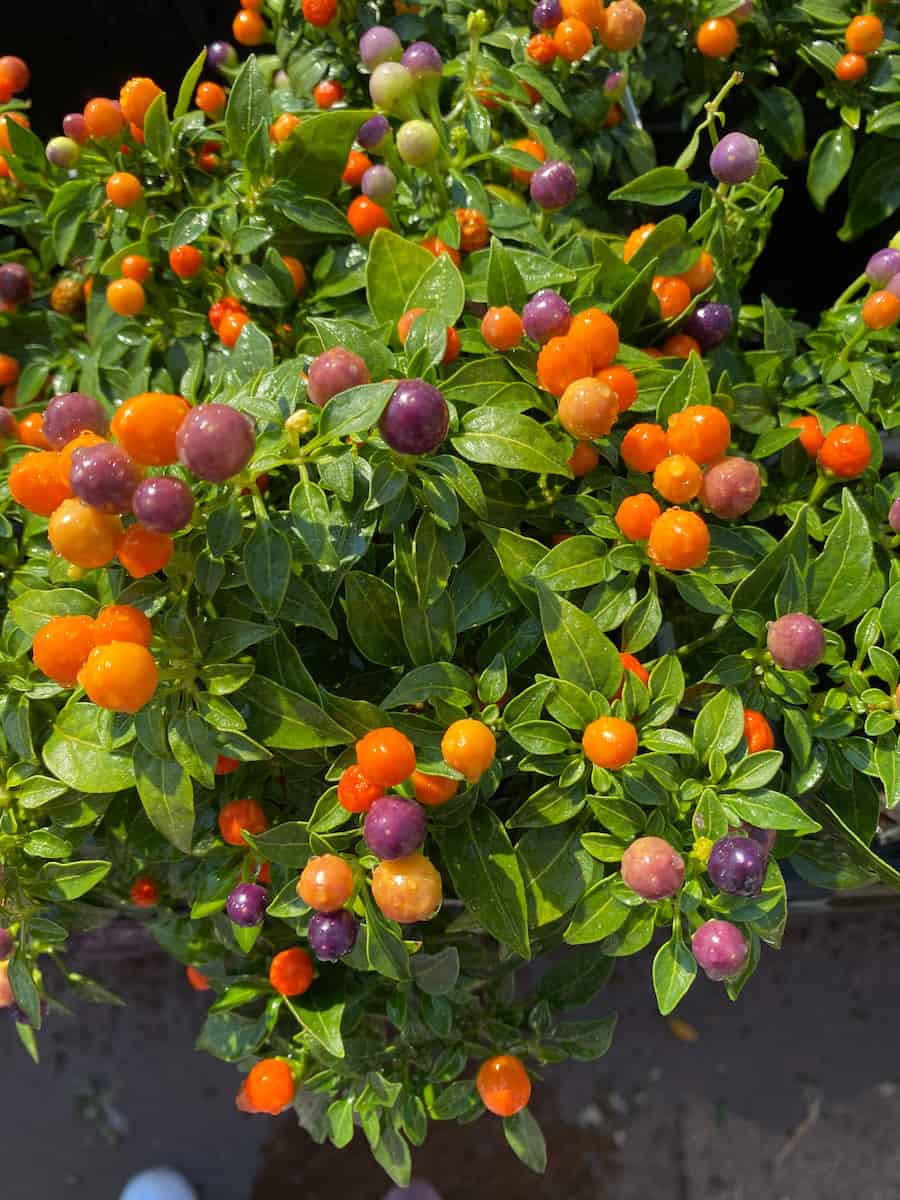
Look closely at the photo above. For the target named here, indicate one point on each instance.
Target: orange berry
(230, 327)
(61, 647)
(249, 28)
(136, 97)
(282, 127)
(366, 216)
(845, 451)
(355, 792)
(185, 261)
(357, 165)
(717, 38)
(542, 49)
(297, 272)
(225, 765)
(758, 732)
(680, 345)
(850, 67)
(469, 746)
(123, 623)
(636, 667)
(144, 892)
(623, 383)
(291, 972)
(474, 232)
(123, 190)
(599, 333)
(126, 297)
(536, 150)
(573, 39)
(239, 815)
(64, 457)
(407, 889)
(406, 322)
(35, 483)
(678, 479)
(635, 516)
(20, 119)
(700, 431)
(864, 34)
(811, 435)
(673, 295)
(679, 540)
(135, 266)
(881, 310)
(588, 409)
(211, 99)
(15, 71)
(635, 240)
(197, 979)
(561, 361)
(502, 328)
(386, 756)
(121, 677)
(84, 536)
(452, 347)
(103, 118)
(624, 27)
(319, 13)
(591, 12)
(435, 246)
(701, 274)
(146, 425)
(644, 447)
(144, 553)
(503, 1085)
(583, 459)
(9, 370)
(326, 883)
(270, 1086)
(433, 790)
(328, 93)
(610, 742)
(31, 431)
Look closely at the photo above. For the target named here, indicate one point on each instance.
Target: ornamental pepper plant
(424, 554)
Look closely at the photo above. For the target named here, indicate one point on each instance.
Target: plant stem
(850, 291)
(857, 337)
(712, 108)
(820, 487)
(719, 623)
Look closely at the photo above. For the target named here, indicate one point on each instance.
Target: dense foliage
(417, 555)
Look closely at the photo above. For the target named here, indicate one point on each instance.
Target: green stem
(850, 291)
(857, 337)
(690, 647)
(712, 108)
(820, 488)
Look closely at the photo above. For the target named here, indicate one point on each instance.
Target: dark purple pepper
(546, 315)
(394, 827)
(163, 504)
(246, 906)
(553, 185)
(710, 324)
(547, 14)
(332, 935)
(416, 419)
(15, 283)
(372, 134)
(737, 866)
(105, 477)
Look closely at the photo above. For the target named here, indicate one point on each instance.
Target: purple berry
(394, 827)
(215, 442)
(15, 283)
(735, 159)
(421, 59)
(220, 54)
(416, 418)
(70, 414)
(614, 84)
(894, 516)
(765, 837)
(6, 943)
(389, 84)
(893, 285)
(720, 949)
(547, 14)
(63, 152)
(652, 868)
(710, 324)
(796, 641)
(546, 315)
(882, 266)
(163, 504)
(74, 126)
(554, 185)
(334, 371)
(377, 45)
(372, 134)
(417, 143)
(378, 183)
(105, 477)
(7, 424)
(731, 487)
(737, 865)
(246, 906)
(332, 935)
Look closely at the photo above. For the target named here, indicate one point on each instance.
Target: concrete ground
(792, 1093)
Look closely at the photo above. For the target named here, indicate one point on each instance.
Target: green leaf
(756, 591)
(321, 1012)
(394, 268)
(436, 974)
(248, 104)
(580, 652)
(267, 563)
(392, 1154)
(719, 724)
(556, 872)
(524, 1136)
(440, 288)
(167, 796)
(690, 386)
(70, 880)
(26, 994)
(504, 283)
(782, 116)
(75, 753)
(189, 225)
(837, 574)
(576, 979)
(231, 1037)
(510, 440)
(229, 637)
(340, 1122)
(674, 970)
(373, 619)
(487, 878)
(286, 844)
(354, 410)
(598, 914)
(385, 950)
(252, 285)
(288, 721)
(315, 154)
(586, 1040)
(662, 186)
(756, 770)
(874, 187)
(158, 131)
(437, 681)
(770, 810)
(829, 163)
(189, 85)
(31, 610)
(577, 562)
